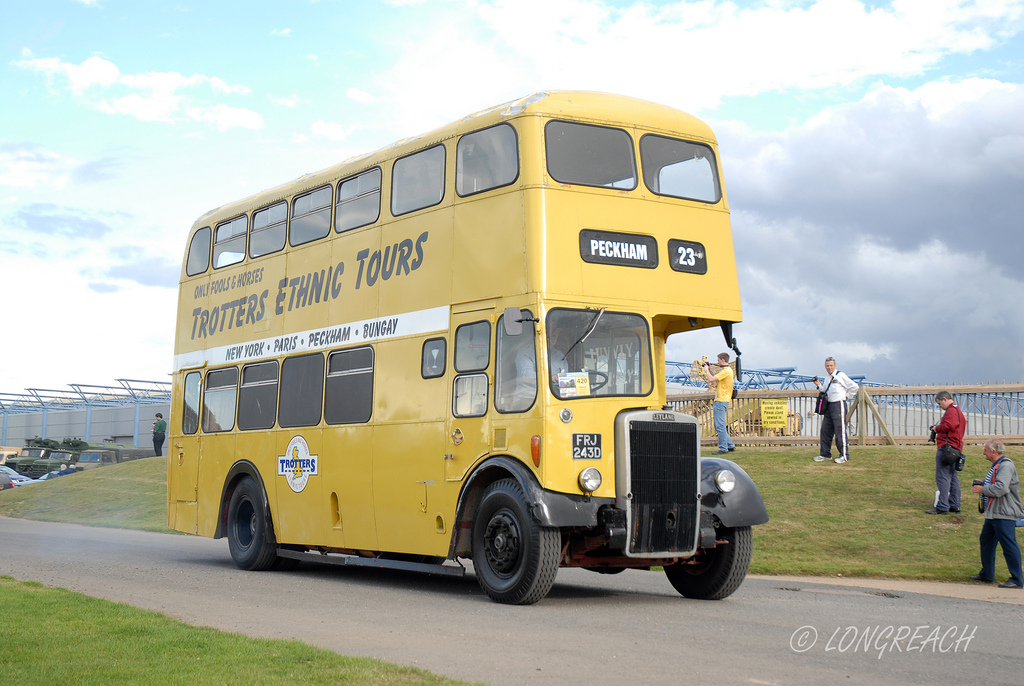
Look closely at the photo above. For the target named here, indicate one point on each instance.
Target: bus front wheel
(514, 557)
(250, 535)
(721, 571)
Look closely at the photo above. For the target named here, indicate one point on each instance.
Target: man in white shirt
(840, 389)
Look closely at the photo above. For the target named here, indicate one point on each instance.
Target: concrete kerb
(967, 591)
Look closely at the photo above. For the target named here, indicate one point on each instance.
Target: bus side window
(417, 180)
(472, 347)
(358, 201)
(515, 374)
(190, 411)
(311, 215)
(486, 159)
(349, 395)
(590, 155)
(470, 396)
(257, 398)
(268, 229)
(219, 400)
(302, 391)
(198, 252)
(229, 242)
(472, 354)
(434, 361)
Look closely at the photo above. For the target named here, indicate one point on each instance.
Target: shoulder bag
(821, 404)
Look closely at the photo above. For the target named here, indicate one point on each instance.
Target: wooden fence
(877, 416)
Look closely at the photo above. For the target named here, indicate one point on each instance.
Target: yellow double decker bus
(453, 348)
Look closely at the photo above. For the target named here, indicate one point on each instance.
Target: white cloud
(95, 71)
(330, 130)
(150, 96)
(29, 166)
(359, 96)
(225, 117)
(689, 55)
(286, 101)
(281, 32)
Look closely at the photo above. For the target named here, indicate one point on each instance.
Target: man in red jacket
(949, 431)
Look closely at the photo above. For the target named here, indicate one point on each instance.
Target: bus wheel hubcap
(502, 539)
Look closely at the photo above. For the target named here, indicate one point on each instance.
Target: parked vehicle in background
(44, 455)
(6, 482)
(51, 462)
(17, 479)
(36, 449)
(6, 452)
(54, 474)
(102, 457)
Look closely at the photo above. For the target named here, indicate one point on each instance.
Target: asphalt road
(591, 629)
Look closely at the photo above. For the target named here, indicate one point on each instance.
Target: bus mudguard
(742, 506)
(548, 508)
(239, 469)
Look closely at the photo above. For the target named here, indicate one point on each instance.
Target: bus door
(409, 489)
(468, 423)
(183, 459)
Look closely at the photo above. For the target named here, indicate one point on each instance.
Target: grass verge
(131, 495)
(54, 636)
(864, 518)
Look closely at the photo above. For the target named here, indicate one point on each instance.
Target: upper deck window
(229, 242)
(358, 201)
(590, 155)
(486, 159)
(681, 169)
(268, 229)
(198, 252)
(311, 215)
(417, 181)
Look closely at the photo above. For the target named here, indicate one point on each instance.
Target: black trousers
(833, 426)
(158, 444)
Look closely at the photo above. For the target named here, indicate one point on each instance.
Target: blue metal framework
(781, 378)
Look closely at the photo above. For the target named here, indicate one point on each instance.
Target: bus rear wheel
(720, 573)
(250, 534)
(515, 558)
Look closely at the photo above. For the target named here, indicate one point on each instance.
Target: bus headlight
(725, 480)
(590, 480)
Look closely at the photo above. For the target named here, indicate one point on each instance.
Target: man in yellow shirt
(723, 383)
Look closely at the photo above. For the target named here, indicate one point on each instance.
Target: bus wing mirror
(513, 321)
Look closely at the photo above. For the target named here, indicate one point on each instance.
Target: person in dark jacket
(159, 433)
(949, 431)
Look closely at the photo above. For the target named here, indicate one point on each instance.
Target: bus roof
(577, 105)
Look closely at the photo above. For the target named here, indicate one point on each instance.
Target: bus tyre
(722, 570)
(250, 535)
(514, 557)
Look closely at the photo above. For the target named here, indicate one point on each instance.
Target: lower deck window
(219, 400)
(349, 395)
(302, 391)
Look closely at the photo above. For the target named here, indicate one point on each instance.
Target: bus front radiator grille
(663, 480)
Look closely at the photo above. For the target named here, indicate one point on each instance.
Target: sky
(873, 154)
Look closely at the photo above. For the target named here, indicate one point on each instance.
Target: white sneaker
(840, 460)
(819, 458)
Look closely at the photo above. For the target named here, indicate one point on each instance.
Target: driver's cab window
(596, 352)
(516, 366)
